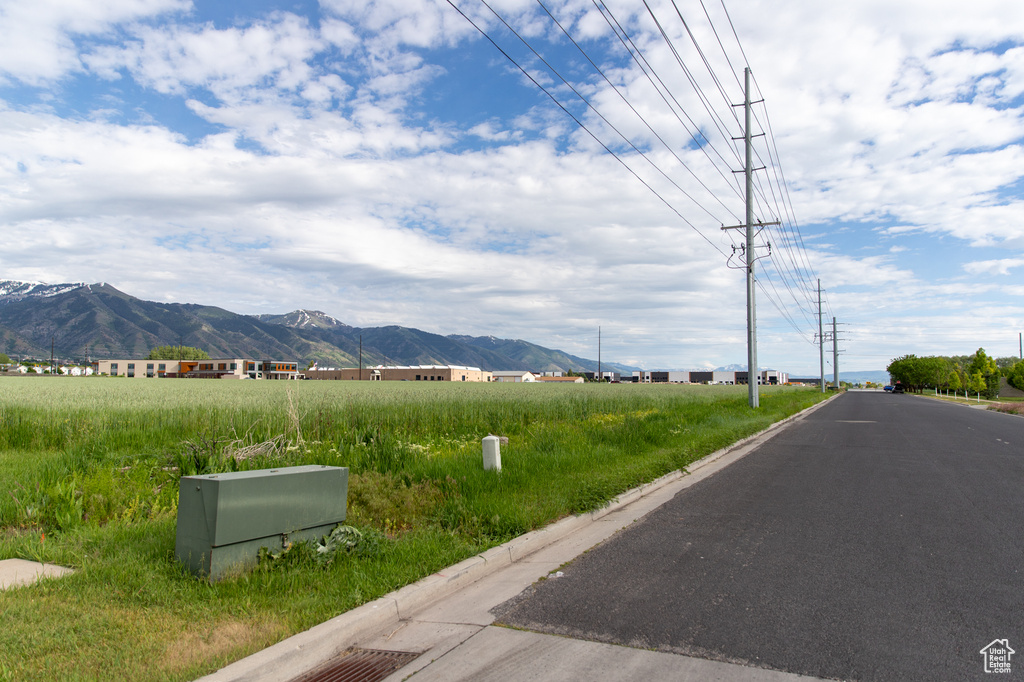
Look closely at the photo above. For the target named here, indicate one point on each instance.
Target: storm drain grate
(359, 665)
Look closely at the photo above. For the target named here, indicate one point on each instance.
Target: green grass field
(90, 480)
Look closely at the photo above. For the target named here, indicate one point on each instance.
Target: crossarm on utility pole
(743, 227)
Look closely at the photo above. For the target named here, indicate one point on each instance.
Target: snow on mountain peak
(14, 289)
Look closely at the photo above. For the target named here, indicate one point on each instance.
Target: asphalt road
(880, 538)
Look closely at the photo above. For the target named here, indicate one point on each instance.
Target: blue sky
(384, 163)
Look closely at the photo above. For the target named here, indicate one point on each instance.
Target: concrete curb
(314, 647)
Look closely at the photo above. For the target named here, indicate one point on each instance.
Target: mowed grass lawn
(90, 470)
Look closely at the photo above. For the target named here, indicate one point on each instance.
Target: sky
(533, 170)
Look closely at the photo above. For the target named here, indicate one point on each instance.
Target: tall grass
(90, 471)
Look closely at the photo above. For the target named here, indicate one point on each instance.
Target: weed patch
(392, 502)
(1009, 408)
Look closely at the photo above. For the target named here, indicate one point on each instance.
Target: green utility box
(224, 519)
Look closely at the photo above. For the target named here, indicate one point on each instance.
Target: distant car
(898, 388)
(887, 389)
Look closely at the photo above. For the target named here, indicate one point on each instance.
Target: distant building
(513, 376)
(768, 377)
(561, 380)
(214, 368)
(399, 373)
(76, 371)
(773, 377)
(612, 377)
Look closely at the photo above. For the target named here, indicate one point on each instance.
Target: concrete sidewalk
(446, 617)
(18, 572)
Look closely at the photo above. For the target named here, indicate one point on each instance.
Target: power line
(790, 262)
(776, 165)
(719, 123)
(632, 108)
(582, 125)
(596, 111)
(702, 142)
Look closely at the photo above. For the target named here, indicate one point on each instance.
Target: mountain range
(93, 321)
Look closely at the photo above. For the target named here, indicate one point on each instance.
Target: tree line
(177, 353)
(977, 373)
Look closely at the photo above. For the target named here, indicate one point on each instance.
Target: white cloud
(37, 39)
(388, 26)
(339, 33)
(303, 222)
(488, 131)
(331, 177)
(272, 52)
(994, 267)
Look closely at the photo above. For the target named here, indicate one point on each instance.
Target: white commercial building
(513, 376)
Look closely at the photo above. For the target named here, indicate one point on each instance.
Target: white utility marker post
(492, 453)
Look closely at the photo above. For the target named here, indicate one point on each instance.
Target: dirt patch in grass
(219, 642)
(1009, 408)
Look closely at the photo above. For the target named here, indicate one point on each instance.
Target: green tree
(902, 368)
(1016, 376)
(915, 373)
(981, 363)
(955, 384)
(177, 353)
(1006, 364)
(935, 371)
(977, 383)
(4, 360)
